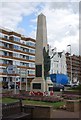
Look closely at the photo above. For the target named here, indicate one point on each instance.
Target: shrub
(76, 88)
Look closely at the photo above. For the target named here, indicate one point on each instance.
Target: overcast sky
(62, 20)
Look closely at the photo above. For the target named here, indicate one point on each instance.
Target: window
(23, 79)
(16, 47)
(4, 61)
(30, 44)
(27, 57)
(32, 57)
(24, 49)
(1, 35)
(16, 55)
(27, 64)
(16, 63)
(6, 45)
(7, 61)
(1, 61)
(3, 70)
(6, 37)
(27, 50)
(24, 64)
(1, 52)
(21, 49)
(1, 79)
(22, 41)
(23, 56)
(32, 72)
(5, 53)
(16, 39)
(31, 64)
(32, 51)
(1, 44)
(4, 79)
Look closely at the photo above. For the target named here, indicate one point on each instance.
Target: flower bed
(71, 97)
(35, 98)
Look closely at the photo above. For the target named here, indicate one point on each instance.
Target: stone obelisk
(38, 84)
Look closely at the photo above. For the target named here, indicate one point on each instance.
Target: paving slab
(65, 114)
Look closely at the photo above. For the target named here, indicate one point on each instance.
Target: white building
(58, 62)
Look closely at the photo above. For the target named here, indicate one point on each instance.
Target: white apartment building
(58, 62)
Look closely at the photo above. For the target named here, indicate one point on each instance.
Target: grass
(55, 105)
(0, 100)
(8, 100)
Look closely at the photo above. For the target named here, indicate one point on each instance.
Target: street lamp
(23, 75)
(57, 65)
(20, 79)
(70, 61)
(26, 80)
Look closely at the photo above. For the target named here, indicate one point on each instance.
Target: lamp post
(26, 80)
(20, 79)
(57, 65)
(70, 61)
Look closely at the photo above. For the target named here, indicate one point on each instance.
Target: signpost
(12, 69)
(23, 74)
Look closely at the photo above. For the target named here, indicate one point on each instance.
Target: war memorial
(24, 105)
(42, 58)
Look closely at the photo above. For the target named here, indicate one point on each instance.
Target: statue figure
(47, 62)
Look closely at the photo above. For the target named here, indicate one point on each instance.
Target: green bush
(76, 88)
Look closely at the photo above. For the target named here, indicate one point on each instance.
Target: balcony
(18, 43)
(20, 59)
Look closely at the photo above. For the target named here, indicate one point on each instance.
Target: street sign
(23, 72)
(11, 69)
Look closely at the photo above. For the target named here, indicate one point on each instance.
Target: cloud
(72, 6)
(39, 1)
(62, 25)
(62, 19)
(11, 13)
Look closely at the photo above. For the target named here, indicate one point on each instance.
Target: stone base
(38, 84)
(41, 85)
(49, 85)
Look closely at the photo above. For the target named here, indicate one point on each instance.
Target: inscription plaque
(36, 85)
(38, 70)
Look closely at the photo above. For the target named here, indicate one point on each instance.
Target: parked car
(71, 85)
(5, 86)
(12, 86)
(58, 87)
(67, 85)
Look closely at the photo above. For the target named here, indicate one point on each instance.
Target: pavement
(66, 114)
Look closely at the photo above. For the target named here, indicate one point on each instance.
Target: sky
(62, 20)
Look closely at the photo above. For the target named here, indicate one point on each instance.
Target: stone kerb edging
(73, 105)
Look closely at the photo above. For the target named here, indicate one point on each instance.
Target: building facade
(16, 50)
(73, 67)
(58, 62)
